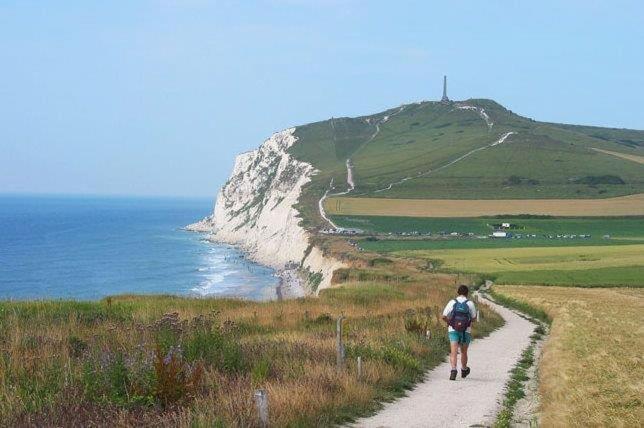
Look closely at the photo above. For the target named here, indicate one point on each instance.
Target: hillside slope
(474, 149)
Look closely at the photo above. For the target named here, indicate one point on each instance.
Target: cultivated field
(537, 258)
(170, 361)
(576, 265)
(616, 227)
(591, 372)
(632, 205)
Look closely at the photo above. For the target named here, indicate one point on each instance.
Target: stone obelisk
(444, 99)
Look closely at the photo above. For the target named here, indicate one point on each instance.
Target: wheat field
(630, 205)
(592, 371)
(490, 260)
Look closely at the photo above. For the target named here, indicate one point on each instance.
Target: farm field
(600, 277)
(622, 227)
(535, 258)
(591, 369)
(618, 264)
(631, 205)
(397, 245)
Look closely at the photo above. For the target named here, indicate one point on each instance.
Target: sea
(86, 248)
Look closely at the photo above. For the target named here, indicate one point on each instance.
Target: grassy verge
(515, 389)
(163, 360)
(591, 368)
(521, 306)
(579, 266)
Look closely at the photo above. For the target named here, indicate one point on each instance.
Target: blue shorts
(464, 338)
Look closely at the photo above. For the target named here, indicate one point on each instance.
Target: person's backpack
(460, 318)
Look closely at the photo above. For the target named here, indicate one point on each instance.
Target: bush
(418, 323)
(175, 380)
(593, 180)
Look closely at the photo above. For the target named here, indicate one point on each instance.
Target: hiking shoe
(465, 372)
(452, 375)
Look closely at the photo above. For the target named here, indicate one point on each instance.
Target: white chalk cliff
(255, 210)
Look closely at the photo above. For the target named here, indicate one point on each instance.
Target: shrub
(418, 323)
(593, 180)
(175, 381)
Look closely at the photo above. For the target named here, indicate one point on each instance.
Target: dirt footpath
(439, 402)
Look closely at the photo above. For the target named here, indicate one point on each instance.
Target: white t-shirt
(450, 305)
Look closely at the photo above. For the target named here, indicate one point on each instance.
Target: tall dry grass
(591, 371)
(163, 360)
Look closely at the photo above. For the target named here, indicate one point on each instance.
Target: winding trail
(476, 400)
(350, 183)
(480, 111)
(458, 159)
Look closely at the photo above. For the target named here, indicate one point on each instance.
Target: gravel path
(439, 402)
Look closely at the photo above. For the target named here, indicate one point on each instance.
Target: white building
(499, 234)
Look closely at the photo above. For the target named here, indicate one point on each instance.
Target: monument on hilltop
(444, 99)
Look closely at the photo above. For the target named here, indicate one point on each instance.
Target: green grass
(392, 245)
(547, 157)
(615, 226)
(632, 276)
(624, 232)
(521, 306)
(629, 228)
(515, 388)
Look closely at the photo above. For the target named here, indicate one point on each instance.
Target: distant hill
(473, 149)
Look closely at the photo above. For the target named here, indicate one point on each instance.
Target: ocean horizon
(90, 247)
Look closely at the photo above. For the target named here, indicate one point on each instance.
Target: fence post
(338, 342)
(359, 368)
(261, 401)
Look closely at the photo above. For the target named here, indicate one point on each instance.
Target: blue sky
(157, 97)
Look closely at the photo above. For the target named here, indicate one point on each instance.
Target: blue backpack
(460, 318)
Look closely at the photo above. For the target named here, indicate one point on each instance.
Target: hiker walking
(459, 314)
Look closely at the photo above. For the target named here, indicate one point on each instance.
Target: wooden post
(338, 342)
(359, 368)
(261, 401)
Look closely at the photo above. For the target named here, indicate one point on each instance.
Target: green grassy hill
(421, 144)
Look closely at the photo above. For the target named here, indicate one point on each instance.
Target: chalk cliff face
(255, 211)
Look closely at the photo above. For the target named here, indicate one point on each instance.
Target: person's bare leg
(463, 357)
(453, 354)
